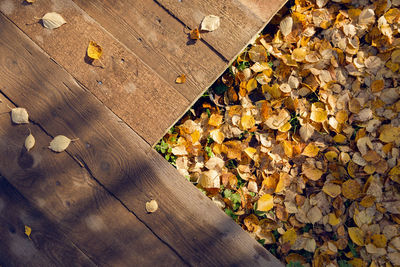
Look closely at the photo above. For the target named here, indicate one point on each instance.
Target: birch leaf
(210, 23)
(265, 203)
(94, 51)
(286, 26)
(19, 115)
(28, 231)
(195, 34)
(29, 142)
(59, 143)
(151, 206)
(53, 20)
(356, 235)
(181, 79)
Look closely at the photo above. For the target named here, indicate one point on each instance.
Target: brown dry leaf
(314, 215)
(368, 201)
(312, 173)
(180, 79)
(94, 51)
(351, 189)
(357, 235)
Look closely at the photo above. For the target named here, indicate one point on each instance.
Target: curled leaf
(19, 115)
(94, 51)
(28, 231)
(195, 34)
(53, 20)
(151, 206)
(181, 79)
(29, 142)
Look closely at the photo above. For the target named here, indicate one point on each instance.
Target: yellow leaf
(310, 150)
(196, 136)
(357, 262)
(288, 148)
(251, 85)
(265, 203)
(180, 79)
(284, 181)
(331, 156)
(340, 139)
(299, 54)
(379, 240)
(273, 90)
(356, 235)
(289, 236)
(195, 34)
(318, 112)
(394, 174)
(392, 14)
(28, 231)
(367, 201)
(342, 116)
(94, 51)
(331, 189)
(389, 133)
(151, 206)
(217, 136)
(215, 120)
(247, 122)
(286, 127)
(332, 219)
(351, 189)
(392, 66)
(250, 151)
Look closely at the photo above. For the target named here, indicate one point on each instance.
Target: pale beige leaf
(19, 115)
(29, 142)
(59, 143)
(210, 23)
(53, 20)
(151, 206)
(286, 25)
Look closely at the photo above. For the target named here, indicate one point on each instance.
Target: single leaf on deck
(94, 51)
(53, 20)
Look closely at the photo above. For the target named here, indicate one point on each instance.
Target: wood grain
(131, 89)
(238, 25)
(63, 191)
(118, 159)
(264, 9)
(46, 246)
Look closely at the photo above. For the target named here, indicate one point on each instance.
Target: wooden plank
(159, 40)
(63, 191)
(120, 160)
(238, 25)
(132, 90)
(264, 9)
(46, 246)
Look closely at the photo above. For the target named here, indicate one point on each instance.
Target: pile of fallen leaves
(300, 143)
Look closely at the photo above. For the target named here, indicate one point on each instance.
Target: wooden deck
(85, 206)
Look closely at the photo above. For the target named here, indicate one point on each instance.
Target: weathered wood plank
(46, 246)
(131, 89)
(119, 159)
(64, 192)
(159, 40)
(264, 9)
(238, 25)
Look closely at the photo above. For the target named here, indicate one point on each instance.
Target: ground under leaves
(299, 142)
